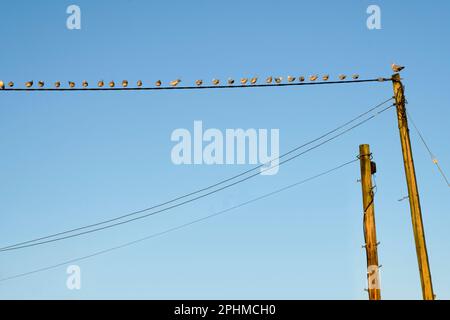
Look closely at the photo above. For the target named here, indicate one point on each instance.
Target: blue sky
(69, 159)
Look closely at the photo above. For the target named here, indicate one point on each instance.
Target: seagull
(313, 78)
(71, 84)
(355, 76)
(198, 82)
(253, 80)
(278, 80)
(174, 83)
(342, 77)
(57, 84)
(2, 85)
(396, 68)
(125, 83)
(101, 83)
(10, 84)
(158, 83)
(326, 77)
(111, 84)
(41, 84)
(29, 84)
(269, 79)
(244, 80)
(301, 79)
(291, 79)
(139, 83)
(215, 81)
(85, 84)
(230, 81)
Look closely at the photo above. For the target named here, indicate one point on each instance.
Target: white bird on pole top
(397, 68)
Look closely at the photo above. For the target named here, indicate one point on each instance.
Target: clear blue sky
(67, 159)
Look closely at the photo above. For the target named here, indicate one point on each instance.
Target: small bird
(71, 84)
(174, 83)
(253, 80)
(125, 83)
(111, 84)
(230, 81)
(326, 77)
(85, 84)
(291, 79)
(244, 80)
(198, 82)
(139, 83)
(313, 78)
(10, 84)
(57, 84)
(41, 84)
(158, 83)
(29, 84)
(396, 68)
(101, 83)
(342, 77)
(278, 80)
(215, 81)
(355, 76)
(2, 85)
(301, 78)
(269, 79)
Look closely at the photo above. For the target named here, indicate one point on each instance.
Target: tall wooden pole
(370, 234)
(413, 192)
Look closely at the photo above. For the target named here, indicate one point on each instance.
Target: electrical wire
(433, 158)
(196, 87)
(10, 248)
(154, 235)
(199, 190)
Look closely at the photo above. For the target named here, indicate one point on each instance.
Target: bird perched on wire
(101, 83)
(2, 84)
(57, 84)
(291, 79)
(124, 83)
(301, 78)
(111, 84)
(158, 83)
(326, 77)
(139, 83)
(71, 84)
(269, 79)
(313, 78)
(41, 84)
(396, 68)
(85, 84)
(254, 80)
(10, 84)
(355, 77)
(174, 83)
(244, 80)
(278, 80)
(342, 77)
(216, 82)
(199, 82)
(29, 84)
(230, 81)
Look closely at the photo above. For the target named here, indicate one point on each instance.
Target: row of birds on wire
(176, 82)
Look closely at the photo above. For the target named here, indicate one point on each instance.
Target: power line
(154, 235)
(195, 87)
(206, 188)
(433, 158)
(32, 243)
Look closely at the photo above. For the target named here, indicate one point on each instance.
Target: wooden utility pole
(370, 234)
(413, 192)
